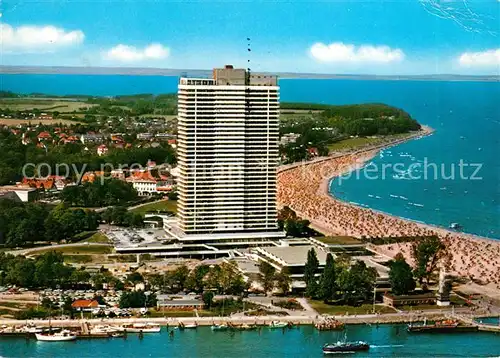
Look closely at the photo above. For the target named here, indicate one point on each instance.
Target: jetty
(480, 326)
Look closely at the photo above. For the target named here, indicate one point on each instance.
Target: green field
(164, 205)
(43, 104)
(76, 250)
(98, 237)
(352, 143)
(323, 308)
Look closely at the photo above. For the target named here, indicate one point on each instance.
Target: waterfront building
(228, 132)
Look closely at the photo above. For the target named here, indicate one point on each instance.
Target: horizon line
(151, 71)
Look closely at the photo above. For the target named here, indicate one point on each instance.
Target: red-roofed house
(143, 182)
(85, 305)
(44, 136)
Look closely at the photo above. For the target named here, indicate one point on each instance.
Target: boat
(142, 328)
(445, 326)
(345, 347)
(278, 324)
(219, 327)
(455, 226)
(106, 329)
(62, 336)
(183, 325)
(246, 327)
(329, 325)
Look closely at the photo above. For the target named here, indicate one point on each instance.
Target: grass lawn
(72, 250)
(164, 205)
(339, 240)
(98, 237)
(324, 308)
(352, 143)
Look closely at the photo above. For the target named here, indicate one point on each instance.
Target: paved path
(311, 311)
(41, 248)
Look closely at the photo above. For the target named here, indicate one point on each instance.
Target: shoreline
(387, 318)
(304, 187)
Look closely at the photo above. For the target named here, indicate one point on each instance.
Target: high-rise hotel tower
(227, 156)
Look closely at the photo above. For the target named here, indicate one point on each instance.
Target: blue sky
(374, 37)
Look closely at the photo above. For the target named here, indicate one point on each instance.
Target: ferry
(345, 347)
(142, 328)
(445, 326)
(62, 336)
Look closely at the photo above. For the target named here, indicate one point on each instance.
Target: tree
(137, 299)
(267, 276)
(208, 298)
(310, 270)
(356, 283)
(328, 286)
(426, 253)
(135, 278)
(283, 281)
(401, 276)
(196, 280)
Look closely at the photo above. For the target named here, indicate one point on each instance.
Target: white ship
(142, 328)
(62, 336)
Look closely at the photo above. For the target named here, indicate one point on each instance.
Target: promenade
(309, 319)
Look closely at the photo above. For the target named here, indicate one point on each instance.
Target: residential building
(92, 138)
(228, 129)
(85, 305)
(145, 136)
(102, 150)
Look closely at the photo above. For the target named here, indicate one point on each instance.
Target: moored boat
(445, 326)
(345, 347)
(62, 336)
(142, 328)
(278, 324)
(220, 327)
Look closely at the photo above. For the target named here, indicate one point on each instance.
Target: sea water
(465, 116)
(305, 341)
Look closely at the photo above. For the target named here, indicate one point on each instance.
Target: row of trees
(26, 223)
(23, 224)
(339, 282)
(99, 194)
(46, 270)
(222, 279)
(333, 123)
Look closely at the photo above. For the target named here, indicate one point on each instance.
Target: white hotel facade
(228, 133)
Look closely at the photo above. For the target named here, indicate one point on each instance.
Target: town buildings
(228, 131)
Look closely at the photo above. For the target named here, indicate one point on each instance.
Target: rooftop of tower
(230, 76)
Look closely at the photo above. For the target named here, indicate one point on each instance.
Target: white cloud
(30, 39)
(124, 53)
(347, 53)
(488, 58)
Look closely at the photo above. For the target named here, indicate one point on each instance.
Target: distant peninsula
(136, 71)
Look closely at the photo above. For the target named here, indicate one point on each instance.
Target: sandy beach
(304, 188)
